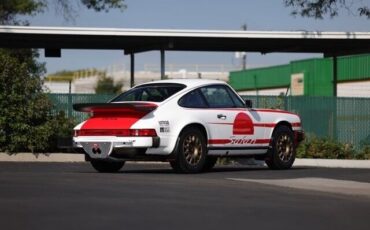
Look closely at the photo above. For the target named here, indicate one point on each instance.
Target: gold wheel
(284, 147)
(281, 155)
(192, 149)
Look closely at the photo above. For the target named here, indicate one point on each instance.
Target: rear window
(150, 92)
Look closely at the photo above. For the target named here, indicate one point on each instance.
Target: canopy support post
(162, 64)
(132, 69)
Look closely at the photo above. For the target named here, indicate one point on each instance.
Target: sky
(262, 15)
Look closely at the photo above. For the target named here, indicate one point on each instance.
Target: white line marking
(344, 187)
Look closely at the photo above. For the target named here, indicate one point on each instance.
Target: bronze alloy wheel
(192, 149)
(284, 147)
(281, 155)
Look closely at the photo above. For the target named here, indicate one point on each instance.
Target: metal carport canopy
(139, 40)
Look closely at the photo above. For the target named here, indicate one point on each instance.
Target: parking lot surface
(152, 196)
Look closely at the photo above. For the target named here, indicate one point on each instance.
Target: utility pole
(244, 54)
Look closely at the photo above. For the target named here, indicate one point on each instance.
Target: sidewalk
(68, 157)
(53, 157)
(332, 163)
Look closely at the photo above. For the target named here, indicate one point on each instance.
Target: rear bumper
(114, 147)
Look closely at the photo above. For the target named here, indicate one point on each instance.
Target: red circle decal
(243, 125)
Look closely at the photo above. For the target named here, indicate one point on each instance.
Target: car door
(232, 128)
(230, 125)
(220, 114)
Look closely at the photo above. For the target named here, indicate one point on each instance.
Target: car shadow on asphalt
(216, 170)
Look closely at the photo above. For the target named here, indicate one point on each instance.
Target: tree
(10, 10)
(27, 119)
(105, 85)
(24, 107)
(319, 8)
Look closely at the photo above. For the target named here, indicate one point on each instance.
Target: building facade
(310, 77)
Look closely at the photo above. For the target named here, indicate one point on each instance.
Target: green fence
(64, 102)
(344, 119)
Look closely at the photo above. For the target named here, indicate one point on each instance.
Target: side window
(194, 99)
(150, 92)
(217, 96)
(238, 103)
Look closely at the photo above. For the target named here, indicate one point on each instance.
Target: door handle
(221, 116)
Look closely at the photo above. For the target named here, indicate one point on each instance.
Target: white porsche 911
(188, 122)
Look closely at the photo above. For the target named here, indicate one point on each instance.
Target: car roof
(190, 83)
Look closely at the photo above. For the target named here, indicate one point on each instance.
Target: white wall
(354, 89)
(265, 92)
(57, 87)
(88, 84)
(347, 89)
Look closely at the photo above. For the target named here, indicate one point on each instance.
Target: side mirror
(248, 103)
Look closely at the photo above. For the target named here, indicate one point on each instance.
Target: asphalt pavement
(152, 196)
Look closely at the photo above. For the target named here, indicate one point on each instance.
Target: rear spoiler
(114, 107)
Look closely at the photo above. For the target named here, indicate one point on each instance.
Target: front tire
(106, 166)
(190, 151)
(283, 151)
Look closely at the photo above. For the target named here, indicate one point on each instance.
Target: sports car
(187, 122)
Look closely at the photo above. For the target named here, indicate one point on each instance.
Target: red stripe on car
(273, 111)
(227, 141)
(297, 124)
(218, 141)
(262, 141)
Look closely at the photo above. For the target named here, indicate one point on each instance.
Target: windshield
(150, 92)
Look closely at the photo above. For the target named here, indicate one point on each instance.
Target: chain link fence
(343, 119)
(346, 120)
(64, 102)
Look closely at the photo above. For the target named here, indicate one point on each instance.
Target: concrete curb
(332, 163)
(69, 157)
(54, 157)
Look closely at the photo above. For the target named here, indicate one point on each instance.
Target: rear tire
(175, 166)
(190, 152)
(106, 166)
(283, 151)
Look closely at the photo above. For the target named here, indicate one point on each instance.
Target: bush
(62, 127)
(26, 119)
(42, 138)
(364, 153)
(315, 147)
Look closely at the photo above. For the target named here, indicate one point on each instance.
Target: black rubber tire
(180, 164)
(175, 166)
(282, 141)
(210, 163)
(107, 166)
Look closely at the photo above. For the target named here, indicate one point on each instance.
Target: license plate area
(97, 150)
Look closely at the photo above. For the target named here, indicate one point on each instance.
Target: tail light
(116, 132)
